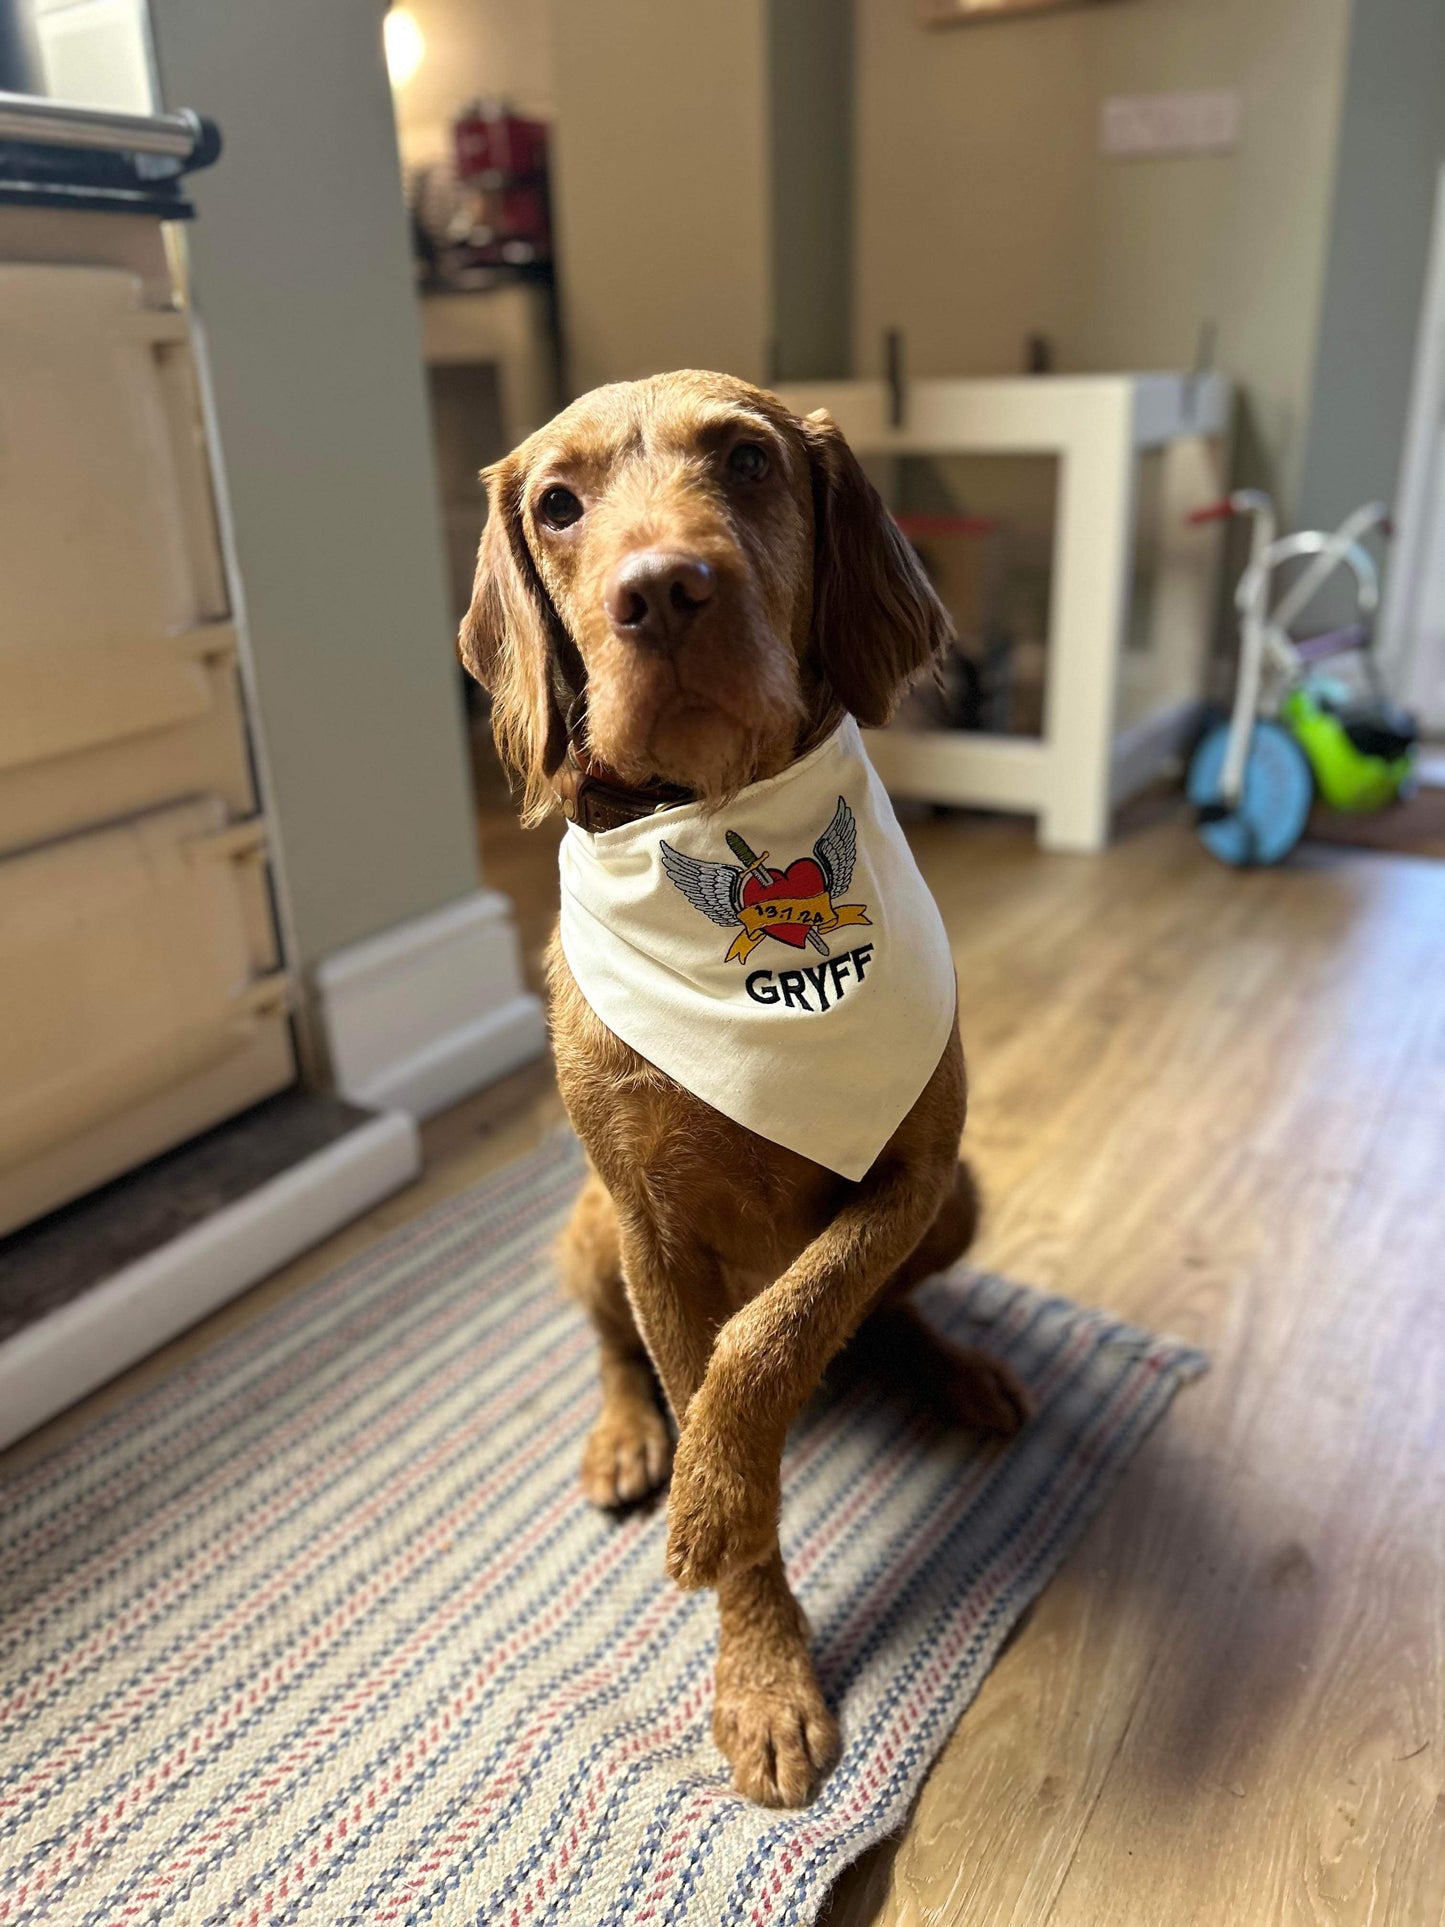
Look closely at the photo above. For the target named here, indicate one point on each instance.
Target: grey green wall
(1391, 145)
(303, 281)
(810, 119)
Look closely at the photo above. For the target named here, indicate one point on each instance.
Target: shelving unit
(1111, 721)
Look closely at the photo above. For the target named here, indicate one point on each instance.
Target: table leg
(1089, 605)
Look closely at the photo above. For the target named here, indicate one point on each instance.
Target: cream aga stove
(143, 989)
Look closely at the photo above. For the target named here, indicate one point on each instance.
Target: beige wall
(985, 211)
(661, 186)
(474, 48)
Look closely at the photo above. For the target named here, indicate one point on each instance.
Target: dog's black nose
(653, 595)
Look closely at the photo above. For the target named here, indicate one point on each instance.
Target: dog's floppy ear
(876, 620)
(508, 641)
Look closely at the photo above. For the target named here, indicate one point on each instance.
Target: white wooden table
(1098, 427)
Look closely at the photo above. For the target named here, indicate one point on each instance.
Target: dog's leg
(769, 1717)
(678, 1301)
(629, 1449)
(896, 1342)
(767, 1360)
(952, 1232)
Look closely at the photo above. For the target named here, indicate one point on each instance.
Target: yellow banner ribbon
(775, 913)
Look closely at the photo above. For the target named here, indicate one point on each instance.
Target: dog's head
(710, 575)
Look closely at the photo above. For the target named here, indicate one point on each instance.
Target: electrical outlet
(1136, 125)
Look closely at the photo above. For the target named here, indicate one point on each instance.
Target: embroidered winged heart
(796, 905)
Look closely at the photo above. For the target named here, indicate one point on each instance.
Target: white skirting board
(421, 1015)
(51, 1363)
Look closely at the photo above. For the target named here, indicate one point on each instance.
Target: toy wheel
(1274, 803)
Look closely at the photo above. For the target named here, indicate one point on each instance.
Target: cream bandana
(780, 958)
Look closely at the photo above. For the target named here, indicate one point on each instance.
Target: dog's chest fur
(664, 1153)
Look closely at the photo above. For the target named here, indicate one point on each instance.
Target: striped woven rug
(319, 1628)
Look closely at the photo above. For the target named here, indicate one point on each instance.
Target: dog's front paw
(626, 1455)
(781, 1740)
(720, 1515)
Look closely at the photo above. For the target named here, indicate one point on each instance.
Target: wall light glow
(405, 45)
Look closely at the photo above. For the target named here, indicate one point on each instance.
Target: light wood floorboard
(1214, 1103)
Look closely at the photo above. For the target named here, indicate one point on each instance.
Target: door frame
(1417, 665)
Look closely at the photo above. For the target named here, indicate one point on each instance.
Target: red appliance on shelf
(501, 160)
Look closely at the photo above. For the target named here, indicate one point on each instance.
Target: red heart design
(802, 878)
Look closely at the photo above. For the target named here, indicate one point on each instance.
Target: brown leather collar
(597, 799)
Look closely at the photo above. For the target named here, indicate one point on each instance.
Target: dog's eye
(559, 508)
(748, 462)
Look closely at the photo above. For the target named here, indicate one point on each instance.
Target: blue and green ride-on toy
(1295, 734)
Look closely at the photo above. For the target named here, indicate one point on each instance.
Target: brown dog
(681, 586)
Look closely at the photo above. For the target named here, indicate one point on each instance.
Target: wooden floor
(1214, 1103)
